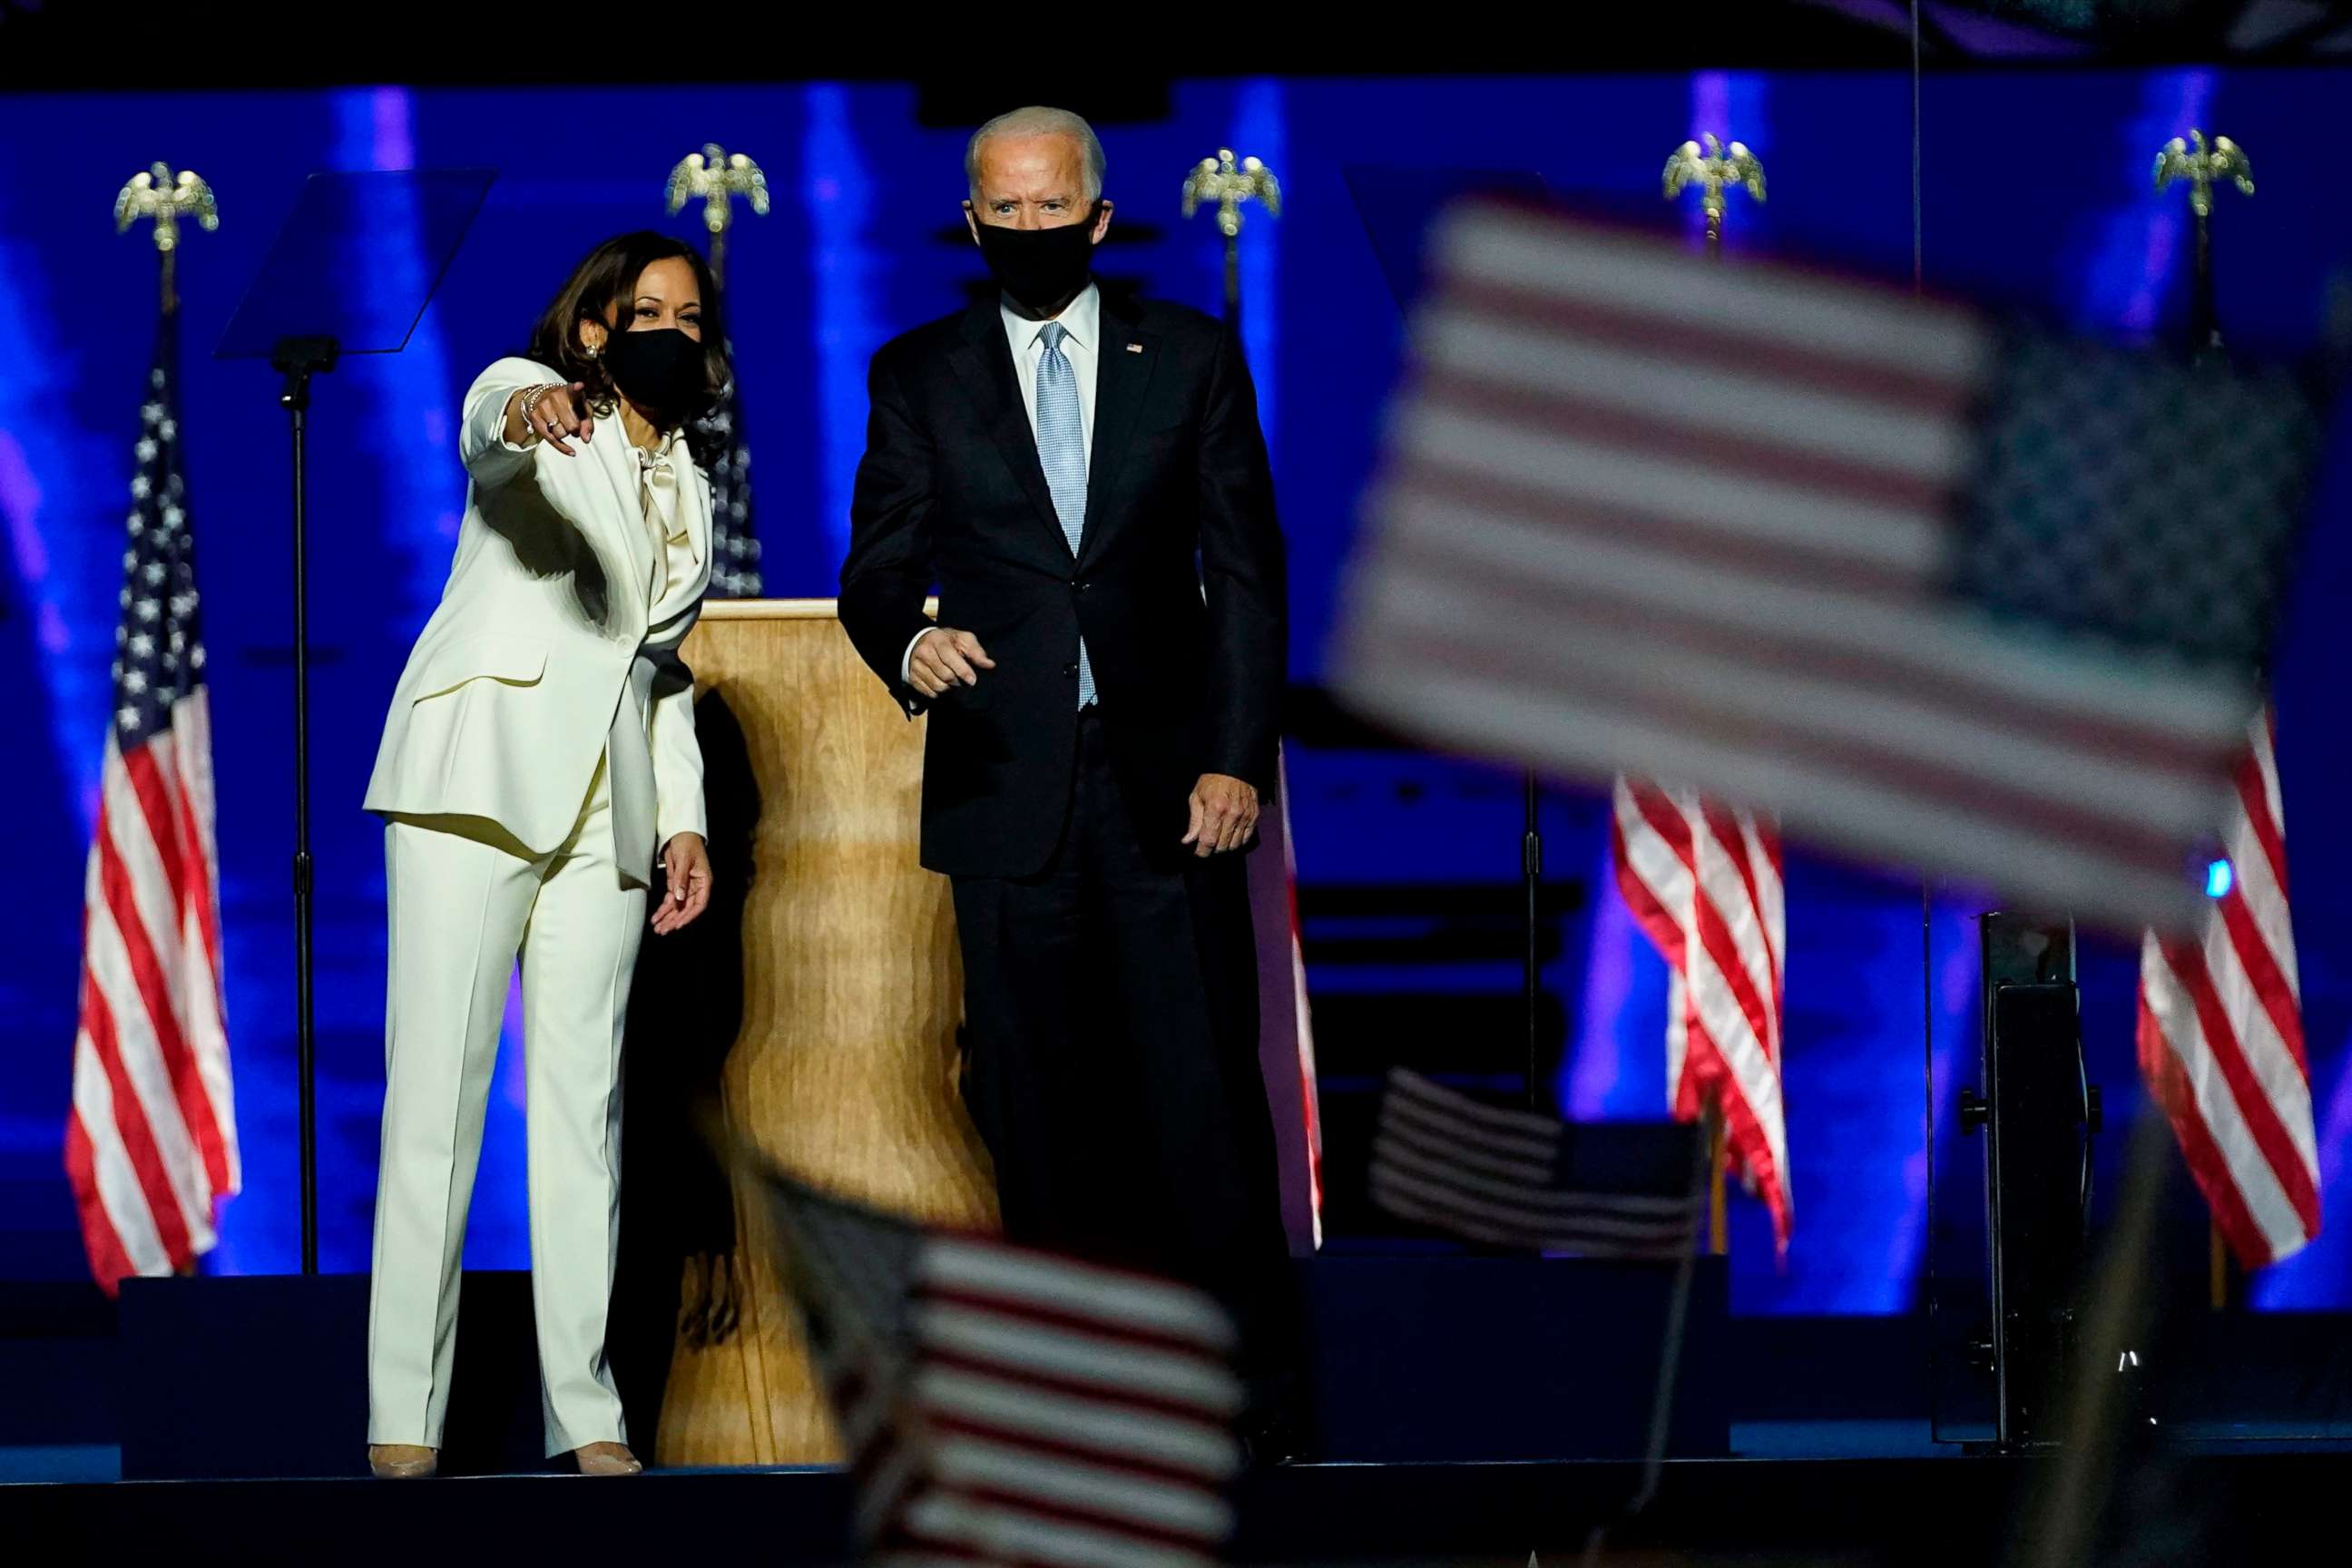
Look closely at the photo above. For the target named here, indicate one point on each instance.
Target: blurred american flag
(1003, 1405)
(1927, 590)
(1532, 1182)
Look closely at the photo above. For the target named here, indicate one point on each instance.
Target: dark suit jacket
(1178, 497)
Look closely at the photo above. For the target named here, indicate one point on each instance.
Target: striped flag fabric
(151, 1143)
(2220, 1032)
(720, 446)
(1703, 880)
(1003, 1405)
(1532, 1182)
(1925, 588)
(1285, 1029)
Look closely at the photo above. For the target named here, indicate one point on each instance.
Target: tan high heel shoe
(401, 1462)
(606, 1459)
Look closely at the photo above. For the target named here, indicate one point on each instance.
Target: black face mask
(661, 368)
(1040, 268)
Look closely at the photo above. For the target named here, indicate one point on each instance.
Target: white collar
(1081, 318)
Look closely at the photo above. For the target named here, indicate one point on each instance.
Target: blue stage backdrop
(2035, 186)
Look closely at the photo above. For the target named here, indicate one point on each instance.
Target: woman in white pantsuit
(540, 754)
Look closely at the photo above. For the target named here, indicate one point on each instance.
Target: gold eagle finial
(1219, 180)
(166, 197)
(2200, 165)
(717, 177)
(1712, 172)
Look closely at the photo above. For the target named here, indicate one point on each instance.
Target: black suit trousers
(1111, 1061)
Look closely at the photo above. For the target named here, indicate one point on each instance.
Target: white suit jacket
(547, 649)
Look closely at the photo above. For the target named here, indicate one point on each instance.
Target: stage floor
(2202, 1504)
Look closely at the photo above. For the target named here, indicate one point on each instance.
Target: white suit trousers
(465, 899)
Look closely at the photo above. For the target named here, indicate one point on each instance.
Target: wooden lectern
(844, 1068)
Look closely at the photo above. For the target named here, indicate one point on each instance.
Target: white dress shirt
(675, 560)
(673, 584)
(1081, 345)
(1081, 322)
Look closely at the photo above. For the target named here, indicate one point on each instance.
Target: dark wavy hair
(606, 281)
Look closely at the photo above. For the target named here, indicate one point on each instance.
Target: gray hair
(1038, 120)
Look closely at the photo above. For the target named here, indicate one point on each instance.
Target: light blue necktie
(1062, 452)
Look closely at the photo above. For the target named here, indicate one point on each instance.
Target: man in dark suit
(1084, 480)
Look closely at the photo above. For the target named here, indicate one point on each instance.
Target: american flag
(150, 1145)
(1285, 1029)
(734, 550)
(2220, 1032)
(1925, 589)
(1002, 1406)
(1521, 1179)
(1703, 880)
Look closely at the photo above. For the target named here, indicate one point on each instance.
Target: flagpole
(2193, 160)
(1531, 963)
(1226, 184)
(2200, 164)
(1718, 1208)
(2204, 338)
(714, 177)
(1715, 171)
(1710, 171)
(168, 198)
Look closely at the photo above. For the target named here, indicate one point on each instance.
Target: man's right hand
(944, 657)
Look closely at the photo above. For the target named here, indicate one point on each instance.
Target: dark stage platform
(1532, 1378)
(1412, 1359)
(2207, 1508)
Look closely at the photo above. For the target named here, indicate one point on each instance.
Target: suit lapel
(618, 461)
(1124, 361)
(983, 363)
